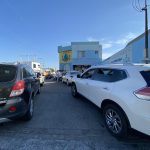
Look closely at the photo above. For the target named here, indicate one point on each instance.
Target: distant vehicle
(41, 78)
(47, 74)
(67, 78)
(18, 87)
(123, 94)
(34, 65)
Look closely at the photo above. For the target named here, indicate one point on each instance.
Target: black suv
(18, 86)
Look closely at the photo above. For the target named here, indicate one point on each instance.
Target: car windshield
(7, 73)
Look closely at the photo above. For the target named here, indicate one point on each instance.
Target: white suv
(123, 93)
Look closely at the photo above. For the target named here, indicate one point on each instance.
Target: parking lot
(63, 122)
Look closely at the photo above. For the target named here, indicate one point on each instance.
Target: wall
(133, 53)
(89, 48)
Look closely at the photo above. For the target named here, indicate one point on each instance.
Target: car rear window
(146, 76)
(7, 73)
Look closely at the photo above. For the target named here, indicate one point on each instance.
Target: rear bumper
(19, 103)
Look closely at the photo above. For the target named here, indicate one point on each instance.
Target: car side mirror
(78, 76)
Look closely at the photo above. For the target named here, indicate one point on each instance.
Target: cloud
(110, 47)
(113, 43)
(107, 45)
(127, 38)
(106, 55)
(90, 39)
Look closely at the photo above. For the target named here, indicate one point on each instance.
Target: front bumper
(20, 105)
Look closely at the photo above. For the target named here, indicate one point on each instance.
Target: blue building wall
(138, 50)
(134, 51)
(92, 54)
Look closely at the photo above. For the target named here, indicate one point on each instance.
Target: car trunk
(7, 79)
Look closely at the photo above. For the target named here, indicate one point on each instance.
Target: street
(63, 122)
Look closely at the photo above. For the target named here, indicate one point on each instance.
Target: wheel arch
(108, 101)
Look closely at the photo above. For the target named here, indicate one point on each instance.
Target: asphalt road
(62, 122)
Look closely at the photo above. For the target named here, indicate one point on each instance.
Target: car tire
(29, 113)
(115, 120)
(74, 90)
(67, 82)
(39, 90)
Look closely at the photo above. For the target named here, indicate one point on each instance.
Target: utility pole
(146, 33)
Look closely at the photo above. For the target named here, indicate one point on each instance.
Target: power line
(136, 5)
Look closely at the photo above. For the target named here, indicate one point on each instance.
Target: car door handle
(105, 88)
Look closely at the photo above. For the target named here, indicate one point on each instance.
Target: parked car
(18, 87)
(123, 94)
(68, 77)
(41, 78)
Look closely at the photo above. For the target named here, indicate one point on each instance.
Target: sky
(35, 28)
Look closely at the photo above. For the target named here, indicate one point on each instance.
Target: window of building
(34, 65)
(81, 54)
(96, 52)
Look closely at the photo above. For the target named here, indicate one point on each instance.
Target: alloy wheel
(113, 121)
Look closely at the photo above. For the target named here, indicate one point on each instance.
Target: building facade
(79, 55)
(134, 52)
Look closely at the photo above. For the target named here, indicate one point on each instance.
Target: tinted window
(30, 71)
(109, 75)
(7, 73)
(25, 73)
(146, 76)
(88, 74)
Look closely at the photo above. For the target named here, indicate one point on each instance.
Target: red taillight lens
(12, 109)
(18, 88)
(143, 93)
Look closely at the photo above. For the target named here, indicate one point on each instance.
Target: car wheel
(74, 90)
(68, 82)
(29, 113)
(39, 90)
(115, 120)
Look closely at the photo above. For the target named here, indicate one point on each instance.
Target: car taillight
(143, 93)
(18, 88)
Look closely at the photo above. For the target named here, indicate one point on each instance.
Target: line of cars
(123, 94)
(19, 85)
(69, 76)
